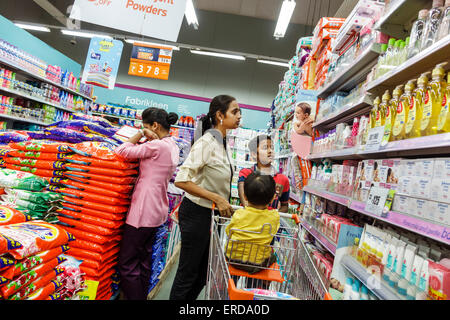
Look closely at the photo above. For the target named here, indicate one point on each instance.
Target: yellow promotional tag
(90, 293)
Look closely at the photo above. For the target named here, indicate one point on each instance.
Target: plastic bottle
(348, 288)
(390, 54)
(391, 111)
(399, 128)
(417, 32)
(374, 112)
(443, 124)
(433, 101)
(355, 295)
(416, 111)
(384, 108)
(435, 16)
(364, 293)
(380, 70)
(397, 53)
(444, 28)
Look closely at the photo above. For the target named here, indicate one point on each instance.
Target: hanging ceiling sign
(150, 61)
(102, 62)
(153, 18)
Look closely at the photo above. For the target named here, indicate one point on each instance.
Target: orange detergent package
(111, 224)
(93, 264)
(96, 206)
(52, 156)
(32, 261)
(98, 177)
(88, 188)
(11, 216)
(89, 236)
(98, 273)
(41, 146)
(97, 150)
(40, 164)
(45, 292)
(82, 254)
(36, 171)
(37, 284)
(101, 171)
(90, 196)
(89, 227)
(27, 277)
(35, 236)
(94, 213)
(89, 161)
(101, 184)
(6, 263)
(7, 244)
(92, 246)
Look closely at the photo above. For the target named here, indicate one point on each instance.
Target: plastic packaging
(11, 216)
(45, 292)
(97, 150)
(89, 161)
(21, 180)
(82, 195)
(106, 223)
(127, 180)
(99, 171)
(38, 155)
(88, 188)
(96, 206)
(42, 146)
(121, 188)
(44, 173)
(86, 126)
(92, 212)
(37, 284)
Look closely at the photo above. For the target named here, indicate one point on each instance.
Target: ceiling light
(277, 63)
(84, 34)
(191, 17)
(152, 44)
(32, 27)
(285, 16)
(217, 54)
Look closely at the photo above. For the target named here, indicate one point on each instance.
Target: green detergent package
(21, 180)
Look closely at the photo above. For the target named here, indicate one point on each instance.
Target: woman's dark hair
(259, 189)
(219, 103)
(151, 115)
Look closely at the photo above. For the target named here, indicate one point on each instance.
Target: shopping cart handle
(290, 216)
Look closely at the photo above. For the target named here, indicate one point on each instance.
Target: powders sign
(150, 61)
(154, 18)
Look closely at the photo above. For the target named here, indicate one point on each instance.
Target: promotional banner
(153, 18)
(150, 61)
(102, 62)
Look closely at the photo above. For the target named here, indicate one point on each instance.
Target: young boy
(261, 148)
(251, 230)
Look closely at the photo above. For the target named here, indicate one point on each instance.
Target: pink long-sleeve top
(158, 160)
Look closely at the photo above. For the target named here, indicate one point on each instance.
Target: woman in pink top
(149, 205)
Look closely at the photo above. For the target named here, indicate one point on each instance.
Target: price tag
(150, 61)
(374, 138)
(376, 200)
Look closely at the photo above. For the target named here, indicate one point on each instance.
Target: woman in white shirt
(206, 177)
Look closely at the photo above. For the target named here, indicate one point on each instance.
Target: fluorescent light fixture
(84, 34)
(191, 17)
(277, 63)
(287, 9)
(217, 54)
(153, 44)
(32, 27)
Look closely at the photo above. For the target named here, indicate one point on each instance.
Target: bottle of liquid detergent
(444, 117)
(399, 129)
(391, 113)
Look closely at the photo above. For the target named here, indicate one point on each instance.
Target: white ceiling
(307, 12)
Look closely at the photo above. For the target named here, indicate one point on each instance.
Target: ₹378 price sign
(150, 61)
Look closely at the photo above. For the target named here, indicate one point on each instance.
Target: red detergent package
(6, 263)
(35, 236)
(52, 156)
(111, 224)
(101, 184)
(111, 164)
(98, 273)
(96, 206)
(92, 246)
(42, 146)
(11, 216)
(99, 170)
(36, 171)
(127, 180)
(35, 163)
(72, 193)
(89, 236)
(44, 292)
(89, 227)
(88, 188)
(98, 150)
(92, 212)
(82, 254)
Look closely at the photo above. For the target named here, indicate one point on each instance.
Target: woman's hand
(224, 207)
(150, 135)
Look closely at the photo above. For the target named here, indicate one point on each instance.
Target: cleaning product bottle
(390, 54)
(444, 28)
(432, 102)
(364, 293)
(396, 55)
(355, 290)
(417, 33)
(391, 112)
(435, 16)
(438, 92)
(420, 94)
(374, 112)
(399, 129)
(384, 106)
(348, 288)
(444, 117)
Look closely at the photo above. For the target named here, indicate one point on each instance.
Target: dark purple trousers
(135, 260)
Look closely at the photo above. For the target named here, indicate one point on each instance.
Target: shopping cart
(291, 276)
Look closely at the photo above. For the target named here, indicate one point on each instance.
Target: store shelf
(295, 197)
(181, 127)
(397, 21)
(381, 289)
(112, 116)
(328, 244)
(424, 61)
(348, 112)
(33, 98)
(38, 77)
(354, 74)
(427, 228)
(284, 156)
(6, 116)
(348, 153)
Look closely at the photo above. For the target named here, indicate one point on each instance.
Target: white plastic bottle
(348, 288)
(355, 295)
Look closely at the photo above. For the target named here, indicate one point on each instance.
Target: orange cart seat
(271, 274)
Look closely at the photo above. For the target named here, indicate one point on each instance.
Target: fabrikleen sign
(153, 18)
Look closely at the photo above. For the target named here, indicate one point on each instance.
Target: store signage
(150, 61)
(102, 62)
(376, 201)
(374, 138)
(153, 18)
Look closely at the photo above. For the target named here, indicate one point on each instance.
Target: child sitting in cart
(252, 229)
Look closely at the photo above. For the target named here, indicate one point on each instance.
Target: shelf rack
(14, 118)
(327, 243)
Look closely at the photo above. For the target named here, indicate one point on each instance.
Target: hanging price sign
(150, 61)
